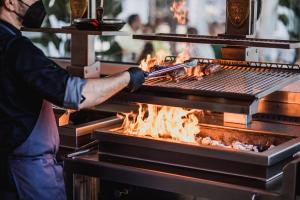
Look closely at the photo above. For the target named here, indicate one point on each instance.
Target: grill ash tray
(262, 167)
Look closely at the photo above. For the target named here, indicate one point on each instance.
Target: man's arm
(99, 90)
(54, 84)
(96, 91)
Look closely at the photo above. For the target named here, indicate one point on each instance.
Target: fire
(180, 11)
(150, 62)
(176, 124)
(162, 122)
(183, 56)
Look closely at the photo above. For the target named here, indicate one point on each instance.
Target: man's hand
(137, 78)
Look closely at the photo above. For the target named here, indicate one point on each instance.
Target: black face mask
(34, 16)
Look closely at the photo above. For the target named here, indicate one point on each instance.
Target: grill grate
(232, 81)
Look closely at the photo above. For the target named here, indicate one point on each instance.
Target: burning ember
(180, 11)
(175, 124)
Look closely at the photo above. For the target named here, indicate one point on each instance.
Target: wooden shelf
(71, 30)
(249, 42)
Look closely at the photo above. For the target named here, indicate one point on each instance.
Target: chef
(29, 84)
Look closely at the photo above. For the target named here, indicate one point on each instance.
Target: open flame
(180, 11)
(176, 124)
(149, 62)
(162, 122)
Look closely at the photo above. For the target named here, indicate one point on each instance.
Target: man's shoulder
(22, 45)
(23, 41)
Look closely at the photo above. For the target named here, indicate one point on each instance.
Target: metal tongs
(187, 64)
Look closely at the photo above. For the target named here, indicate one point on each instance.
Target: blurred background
(280, 19)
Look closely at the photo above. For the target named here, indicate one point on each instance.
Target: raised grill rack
(236, 80)
(237, 88)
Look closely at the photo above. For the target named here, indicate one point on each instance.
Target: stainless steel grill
(254, 81)
(262, 167)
